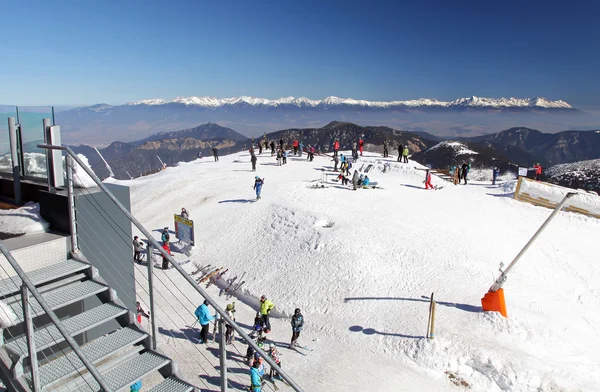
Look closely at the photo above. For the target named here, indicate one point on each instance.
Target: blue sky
(86, 52)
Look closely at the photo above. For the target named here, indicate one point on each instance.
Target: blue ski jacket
(203, 315)
(255, 379)
(136, 387)
(342, 158)
(366, 181)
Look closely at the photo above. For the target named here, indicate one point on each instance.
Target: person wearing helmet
(297, 324)
(258, 183)
(265, 309)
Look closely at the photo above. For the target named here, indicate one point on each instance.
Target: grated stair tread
(12, 285)
(62, 296)
(49, 336)
(172, 384)
(127, 373)
(95, 351)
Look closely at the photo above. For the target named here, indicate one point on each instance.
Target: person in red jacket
(538, 171)
(428, 180)
(360, 145)
(295, 147)
(336, 147)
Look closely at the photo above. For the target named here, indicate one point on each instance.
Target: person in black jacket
(465, 171)
(215, 153)
(253, 160)
(272, 148)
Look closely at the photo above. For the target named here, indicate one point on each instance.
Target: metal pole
(33, 362)
(55, 320)
(49, 167)
(71, 198)
(429, 319)
(185, 275)
(14, 156)
(222, 357)
(150, 263)
(502, 278)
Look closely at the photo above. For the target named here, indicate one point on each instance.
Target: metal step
(126, 373)
(49, 336)
(62, 296)
(97, 350)
(172, 384)
(13, 284)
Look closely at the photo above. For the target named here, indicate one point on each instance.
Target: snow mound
(23, 220)
(8, 318)
(458, 147)
(80, 178)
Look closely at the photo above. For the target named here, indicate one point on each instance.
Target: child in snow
(428, 180)
(141, 312)
(275, 356)
(258, 183)
(366, 181)
(284, 157)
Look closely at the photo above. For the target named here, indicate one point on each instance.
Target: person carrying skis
(204, 318)
(184, 214)
(538, 171)
(295, 144)
(335, 160)
(385, 149)
(428, 180)
(265, 309)
(279, 157)
(255, 377)
(137, 250)
(275, 356)
(361, 142)
(355, 179)
(253, 159)
(258, 183)
(495, 174)
(215, 153)
(229, 332)
(297, 324)
(336, 147)
(405, 154)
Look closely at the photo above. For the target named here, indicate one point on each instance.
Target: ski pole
(195, 322)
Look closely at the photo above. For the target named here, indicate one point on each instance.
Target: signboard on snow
(522, 172)
(184, 230)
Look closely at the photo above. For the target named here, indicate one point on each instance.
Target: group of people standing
(460, 172)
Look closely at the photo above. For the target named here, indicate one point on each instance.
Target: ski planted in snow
(229, 295)
(215, 278)
(230, 282)
(210, 275)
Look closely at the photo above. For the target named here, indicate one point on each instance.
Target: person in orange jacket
(538, 171)
(360, 145)
(295, 144)
(336, 147)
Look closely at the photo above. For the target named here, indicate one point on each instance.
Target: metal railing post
(182, 272)
(33, 362)
(53, 318)
(71, 197)
(149, 252)
(14, 156)
(222, 357)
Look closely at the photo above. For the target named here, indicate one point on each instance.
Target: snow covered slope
(584, 174)
(361, 265)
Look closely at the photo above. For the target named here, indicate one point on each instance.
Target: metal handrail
(55, 320)
(166, 255)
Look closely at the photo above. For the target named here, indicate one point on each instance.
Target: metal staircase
(122, 357)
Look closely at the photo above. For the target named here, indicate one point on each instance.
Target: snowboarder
(255, 377)
(215, 153)
(230, 309)
(184, 214)
(284, 156)
(279, 157)
(465, 171)
(258, 183)
(361, 142)
(428, 180)
(253, 159)
(272, 148)
(265, 309)
(204, 318)
(495, 174)
(274, 354)
(297, 324)
(538, 171)
(165, 236)
(295, 144)
(335, 160)
(336, 147)
(355, 179)
(385, 149)
(405, 154)
(137, 249)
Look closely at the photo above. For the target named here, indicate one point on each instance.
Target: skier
(165, 262)
(361, 142)
(229, 333)
(538, 171)
(301, 147)
(215, 153)
(274, 354)
(465, 170)
(297, 324)
(279, 157)
(405, 154)
(385, 149)
(258, 183)
(272, 148)
(165, 236)
(495, 174)
(428, 180)
(255, 377)
(253, 159)
(355, 179)
(204, 318)
(335, 160)
(265, 308)
(184, 214)
(336, 147)
(295, 144)
(284, 156)
(137, 250)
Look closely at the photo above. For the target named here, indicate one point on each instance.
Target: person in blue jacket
(258, 183)
(136, 387)
(204, 318)
(366, 181)
(255, 377)
(301, 148)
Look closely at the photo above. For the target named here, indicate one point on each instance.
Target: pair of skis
(232, 289)
(200, 268)
(206, 277)
(216, 277)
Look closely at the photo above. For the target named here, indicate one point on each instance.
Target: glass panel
(32, 134)
(5, 160)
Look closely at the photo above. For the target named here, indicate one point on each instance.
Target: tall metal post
(35, 376)
(151, 294)
(46, 126)
(223, 352)
(71, 197)
(14, 156)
